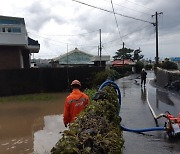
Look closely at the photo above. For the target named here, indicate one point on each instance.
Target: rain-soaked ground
(135, 113)
(34, 127)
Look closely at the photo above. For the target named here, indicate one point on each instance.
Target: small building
(125, 62)
(77, 57)
(15, 44)
(121, 63)
(100, 60)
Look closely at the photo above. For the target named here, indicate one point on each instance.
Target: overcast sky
(61, 25)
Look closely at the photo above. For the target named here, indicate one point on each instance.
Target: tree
(123, 53)
(137, 56)
(138, 66)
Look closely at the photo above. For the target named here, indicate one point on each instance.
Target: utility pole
(67, 70)
(98, 50)
(100, 47)
(123, 53)
(156, 24)
(67, 55)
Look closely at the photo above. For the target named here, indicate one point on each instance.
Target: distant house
(125, 62)
(100, 61)
(77, 57)
(15, 44)
(120, 63)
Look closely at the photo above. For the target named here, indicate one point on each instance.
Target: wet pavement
(34, 127)
(136, 114)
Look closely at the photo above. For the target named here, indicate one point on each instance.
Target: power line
(130, 8)
(69, 34)
(62, 42)
(140, 5)
(126, 34)
(116, 21)
(112, 12)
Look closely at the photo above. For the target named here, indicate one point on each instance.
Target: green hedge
(96, 130)
(102, 76)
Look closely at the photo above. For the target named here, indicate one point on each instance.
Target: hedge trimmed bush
(100, 77)
(96, 130)
(169, 65)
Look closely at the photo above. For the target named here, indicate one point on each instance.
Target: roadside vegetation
(96, 130)
(30, 98)
(100, 77)
(168, 65)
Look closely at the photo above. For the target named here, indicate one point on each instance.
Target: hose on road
(113, 84)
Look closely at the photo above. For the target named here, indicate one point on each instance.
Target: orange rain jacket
(74, 104)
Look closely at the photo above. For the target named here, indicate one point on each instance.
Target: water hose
(109, 82)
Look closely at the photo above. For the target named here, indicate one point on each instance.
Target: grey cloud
(39, 16)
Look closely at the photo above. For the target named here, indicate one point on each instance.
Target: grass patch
(30, 97)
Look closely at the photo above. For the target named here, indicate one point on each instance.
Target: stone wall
(166, 77)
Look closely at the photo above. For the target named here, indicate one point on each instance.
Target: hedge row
(96, 130)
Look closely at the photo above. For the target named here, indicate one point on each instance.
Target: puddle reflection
(163, 97)
(45, 139)
(143, 94)
(31, 127)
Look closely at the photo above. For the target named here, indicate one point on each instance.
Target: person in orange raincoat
(74, 103)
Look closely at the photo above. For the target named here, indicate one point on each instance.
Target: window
(9, 30)
(16, 29)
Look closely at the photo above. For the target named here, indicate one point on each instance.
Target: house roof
(121, 63)
(76, 50)
(33, 45)
(75, 56)
(175, 59)
(102, 58)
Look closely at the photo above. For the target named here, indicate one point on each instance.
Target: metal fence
(36, 80)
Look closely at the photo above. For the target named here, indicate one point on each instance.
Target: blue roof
(176, 59)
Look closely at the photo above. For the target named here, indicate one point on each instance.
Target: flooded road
(33, 127)
(136, 114)
(30, 127)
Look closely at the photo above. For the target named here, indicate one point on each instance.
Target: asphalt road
(135, 113)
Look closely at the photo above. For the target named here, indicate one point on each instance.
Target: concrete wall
(164, 77)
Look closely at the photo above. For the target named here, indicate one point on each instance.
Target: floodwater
(30, 127)
(33, 127)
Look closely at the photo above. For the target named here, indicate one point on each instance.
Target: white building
(15, 45)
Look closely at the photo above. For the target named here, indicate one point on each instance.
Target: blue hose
(109, 82)
(143, 130)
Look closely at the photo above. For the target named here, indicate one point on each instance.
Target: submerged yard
(29, 122)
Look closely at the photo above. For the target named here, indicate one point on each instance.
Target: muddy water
(30, 127)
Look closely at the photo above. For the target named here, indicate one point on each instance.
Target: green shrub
(148, 66)
(96, 130)
(169, 65)
(123, 71)
(138, 66)
(100, 77)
